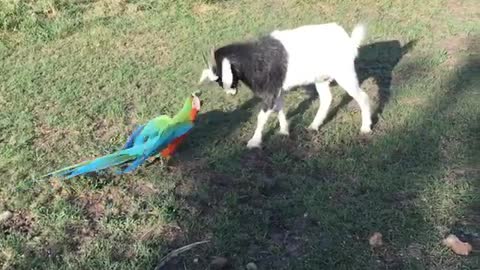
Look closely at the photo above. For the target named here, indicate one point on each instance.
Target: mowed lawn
(77, 76)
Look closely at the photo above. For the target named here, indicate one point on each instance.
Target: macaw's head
(195, 103)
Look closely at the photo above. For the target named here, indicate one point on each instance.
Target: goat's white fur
(207, 74)
(282, 119)
(318, 54)
(262, 119)
(325, 97)
(227, 76)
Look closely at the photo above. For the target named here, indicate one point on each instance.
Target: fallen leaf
(457, 246)
(252, 266)
(5, 216)
(376, 240)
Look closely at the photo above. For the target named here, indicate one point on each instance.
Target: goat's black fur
(261, 65)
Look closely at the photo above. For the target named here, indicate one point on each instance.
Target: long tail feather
(97, 164)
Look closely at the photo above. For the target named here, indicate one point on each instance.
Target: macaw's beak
(196, 103)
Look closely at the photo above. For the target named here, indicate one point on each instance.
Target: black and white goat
(285, 59)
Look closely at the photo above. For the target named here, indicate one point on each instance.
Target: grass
(77, 76)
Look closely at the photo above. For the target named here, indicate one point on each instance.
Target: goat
(285, 59)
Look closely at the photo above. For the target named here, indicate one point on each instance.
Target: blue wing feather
(133, 136)
(162, 140)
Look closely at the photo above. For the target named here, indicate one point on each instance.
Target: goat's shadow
(213, 126)
(377, 61)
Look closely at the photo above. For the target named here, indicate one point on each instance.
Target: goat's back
(315, 52)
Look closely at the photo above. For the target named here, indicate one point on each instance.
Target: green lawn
(77, 76)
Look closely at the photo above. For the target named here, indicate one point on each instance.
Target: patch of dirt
(202, 8)
(110, 8)
(454, 48)
(321, 7)
(92, 204)
(403, 199)
(47, 249)
(50, 12)
(464, 9)
(413, 101)
(455, 175)
(49, 138)
(173, 234)
(21, 222)
(144, 46)
(112, 201)
(143, 189)
(415, 250)
(258, 161)
(79, 235)
(121, 202)
(122, 253)
(449, 146)
(106, 130)
(290, 235)
(388, 258)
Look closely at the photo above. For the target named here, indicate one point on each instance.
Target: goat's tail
(358, 34)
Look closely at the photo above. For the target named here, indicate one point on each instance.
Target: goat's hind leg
(350, 84)
(325, 97)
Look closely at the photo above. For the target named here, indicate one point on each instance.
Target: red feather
(172, 147)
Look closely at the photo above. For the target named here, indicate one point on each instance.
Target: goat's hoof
(365, 130)
(313, 127)
(283, 132)
(253, 143)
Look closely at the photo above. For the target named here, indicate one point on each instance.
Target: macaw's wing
(150, 130)
(133, 136)
(160, 141)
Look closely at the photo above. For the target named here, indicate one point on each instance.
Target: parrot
(160, 136)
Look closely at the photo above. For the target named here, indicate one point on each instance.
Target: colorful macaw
(162, 134)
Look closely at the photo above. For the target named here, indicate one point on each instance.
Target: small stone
(195, 260)
(252, 266)
(219, 262)
(376, 240)
(6, 215)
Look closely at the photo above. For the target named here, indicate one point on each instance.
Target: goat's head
(219, 69)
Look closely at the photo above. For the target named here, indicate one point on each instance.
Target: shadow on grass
(290, 206)
(297, 206)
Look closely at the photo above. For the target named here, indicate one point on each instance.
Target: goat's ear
(207, 74)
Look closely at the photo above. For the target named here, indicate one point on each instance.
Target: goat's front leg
(262, 119)
(282, 118)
